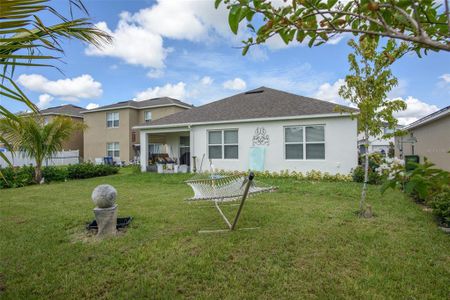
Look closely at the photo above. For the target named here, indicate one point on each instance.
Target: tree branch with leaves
(424, 24)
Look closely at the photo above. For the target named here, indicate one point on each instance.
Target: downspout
(191, 146)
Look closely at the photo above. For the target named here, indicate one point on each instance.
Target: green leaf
(245, 49)
(331, 3)
(234, 18)
(217, 3)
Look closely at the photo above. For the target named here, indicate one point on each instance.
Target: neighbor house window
(113, 149)
(133, 136)
(304, 142)
(223, 144)
(112, 119)
(147, 116)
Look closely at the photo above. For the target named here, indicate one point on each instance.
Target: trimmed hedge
(23, 176)
(89, 170)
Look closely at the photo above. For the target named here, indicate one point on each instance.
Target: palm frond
(23, 33)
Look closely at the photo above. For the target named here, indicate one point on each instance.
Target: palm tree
(36, 138)
(26, 40)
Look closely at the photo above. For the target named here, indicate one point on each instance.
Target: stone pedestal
(106, 221)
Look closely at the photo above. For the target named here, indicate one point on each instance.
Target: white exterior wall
(340, 146)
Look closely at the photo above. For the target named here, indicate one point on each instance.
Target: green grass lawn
(310, 244)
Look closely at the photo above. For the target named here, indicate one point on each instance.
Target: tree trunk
(362, 202)
(38, 173)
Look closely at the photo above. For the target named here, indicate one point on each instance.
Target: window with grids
(147, 116)
(113, 149)
(223, 144)
(112, 119)
(304, 142)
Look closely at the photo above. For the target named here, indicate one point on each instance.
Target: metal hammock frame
(225, 189)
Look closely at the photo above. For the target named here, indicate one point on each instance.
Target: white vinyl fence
(59, 159)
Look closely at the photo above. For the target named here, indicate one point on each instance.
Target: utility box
(411, 161)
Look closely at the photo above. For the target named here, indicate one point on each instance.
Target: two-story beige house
(74, 112)
(110, 127)
(68, 110)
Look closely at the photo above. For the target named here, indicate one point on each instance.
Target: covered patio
(165, 150)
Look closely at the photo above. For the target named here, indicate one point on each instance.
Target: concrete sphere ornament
(104, 196)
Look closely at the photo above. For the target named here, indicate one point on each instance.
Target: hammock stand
(225, 189)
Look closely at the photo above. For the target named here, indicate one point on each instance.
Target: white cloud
(92, 106)
(44, 101)
(132, 43)
(416, 109)
(276, 42)
(155, 73)
(206, 80)
(172, 20)
(330, 92)
(235, 84)
(138, 38)
(445, 78)
(70, 89)
(177, 91)
(444, 83)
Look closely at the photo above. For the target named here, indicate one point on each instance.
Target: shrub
(358, 174)
(23, 176)
(17, 176)
(52, 173)
(311, 175)
(89, 170)
(425, 182)
(441, 206)
(373, 177)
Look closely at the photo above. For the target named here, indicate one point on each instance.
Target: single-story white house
(262, 129)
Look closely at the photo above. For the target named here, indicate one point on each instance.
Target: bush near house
(375, 160)
(312, 175)
(23, 176)
(425, 184)
(16, 177)
(89, 170)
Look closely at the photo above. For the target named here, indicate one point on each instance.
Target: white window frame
(223, 143)
(145, 116)
(113, 119)
(114, 149)
(304, 143)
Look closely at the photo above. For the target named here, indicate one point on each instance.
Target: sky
(185, 50)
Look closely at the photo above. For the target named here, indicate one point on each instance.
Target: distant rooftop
(163, 101)
(64, 110)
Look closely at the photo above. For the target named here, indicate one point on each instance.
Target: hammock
(223, 188)
(218, 188)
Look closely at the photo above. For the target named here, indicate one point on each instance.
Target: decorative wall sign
(261, 138)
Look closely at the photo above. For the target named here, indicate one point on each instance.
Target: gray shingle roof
(262, 102)
(65, 110)
(141, 104)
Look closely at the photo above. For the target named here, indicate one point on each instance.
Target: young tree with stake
(367, 87)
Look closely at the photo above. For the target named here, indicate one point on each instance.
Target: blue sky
(184, 49)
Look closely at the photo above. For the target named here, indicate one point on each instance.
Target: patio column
(144, 150)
